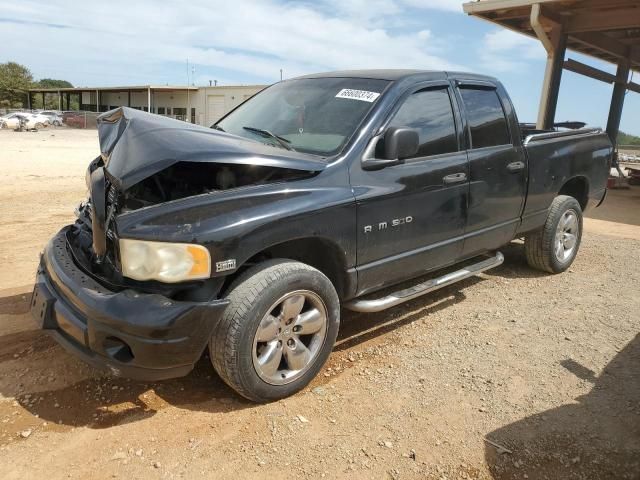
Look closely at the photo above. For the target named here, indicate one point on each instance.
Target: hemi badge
(225, 265)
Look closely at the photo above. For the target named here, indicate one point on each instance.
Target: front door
(411, 216)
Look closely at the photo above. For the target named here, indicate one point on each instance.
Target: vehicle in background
(55, 118)
(320, 192)
(21, 121)
(4, 121)
(10, 120)
(29, 122)
(44, 120)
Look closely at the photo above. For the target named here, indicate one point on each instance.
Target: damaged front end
(163, 189)
(148, 161)
(187, 179)
(94, 245)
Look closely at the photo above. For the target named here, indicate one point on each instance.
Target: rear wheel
(278, 330)
(554, 247)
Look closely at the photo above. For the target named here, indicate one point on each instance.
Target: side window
(486, 117)
(431, 114)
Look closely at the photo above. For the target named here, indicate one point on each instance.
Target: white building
(205, 104)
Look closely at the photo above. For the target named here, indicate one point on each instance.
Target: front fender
(237, 224)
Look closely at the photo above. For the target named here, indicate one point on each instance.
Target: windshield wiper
(217, 128)
(281, 140)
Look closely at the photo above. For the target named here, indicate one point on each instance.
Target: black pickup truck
(319, 192)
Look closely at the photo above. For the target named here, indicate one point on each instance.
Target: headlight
(165, 262)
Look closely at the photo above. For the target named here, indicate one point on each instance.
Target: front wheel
(554, 247)
(278, 330)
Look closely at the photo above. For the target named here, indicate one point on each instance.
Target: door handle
(514, 167)
(455, 178)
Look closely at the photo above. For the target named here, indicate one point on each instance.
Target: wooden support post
(28, 100)
(128, 98)
(617, 100)
(551, 88)
(43, 98)
(555, 42)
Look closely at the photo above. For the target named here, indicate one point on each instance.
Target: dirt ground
(513, 374)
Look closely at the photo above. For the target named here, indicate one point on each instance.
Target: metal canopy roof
(605, 29)
(134, 88)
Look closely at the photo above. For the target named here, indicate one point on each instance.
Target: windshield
(313, 115)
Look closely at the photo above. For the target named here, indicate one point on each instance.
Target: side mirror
(398, 143)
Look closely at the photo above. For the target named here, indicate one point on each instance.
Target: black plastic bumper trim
(165, 337)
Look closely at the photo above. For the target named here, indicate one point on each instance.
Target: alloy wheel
(289, 337)
(566, 237)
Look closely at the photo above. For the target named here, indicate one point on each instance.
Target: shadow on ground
(99, 402)
(596, 438)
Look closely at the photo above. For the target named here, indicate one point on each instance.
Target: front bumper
(128, 333)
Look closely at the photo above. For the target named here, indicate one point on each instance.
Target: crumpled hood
(136, 144)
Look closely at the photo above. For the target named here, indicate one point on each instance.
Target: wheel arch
(317, 252)
(578, 188)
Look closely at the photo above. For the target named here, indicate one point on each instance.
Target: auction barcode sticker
(362, 95)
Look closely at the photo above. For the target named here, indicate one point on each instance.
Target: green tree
(15, 81)
(627, 139)
(53, 83)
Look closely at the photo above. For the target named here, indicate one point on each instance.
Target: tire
(554, 247)
(265, 316)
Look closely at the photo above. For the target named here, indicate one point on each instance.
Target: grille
(112, 195)
(112, 205)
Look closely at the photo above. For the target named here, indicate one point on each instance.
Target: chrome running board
(396, 298)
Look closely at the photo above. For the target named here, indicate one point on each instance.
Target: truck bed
(531, 136)
(557, 156)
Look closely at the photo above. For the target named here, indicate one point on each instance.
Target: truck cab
(462, 190)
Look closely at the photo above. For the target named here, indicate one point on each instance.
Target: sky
(98, 43)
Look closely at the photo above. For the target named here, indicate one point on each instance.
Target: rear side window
(486, 117)
(431, 114)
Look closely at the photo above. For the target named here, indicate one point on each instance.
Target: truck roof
(399, 74)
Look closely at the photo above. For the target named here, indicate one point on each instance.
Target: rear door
(497, 167)
(411, 216)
